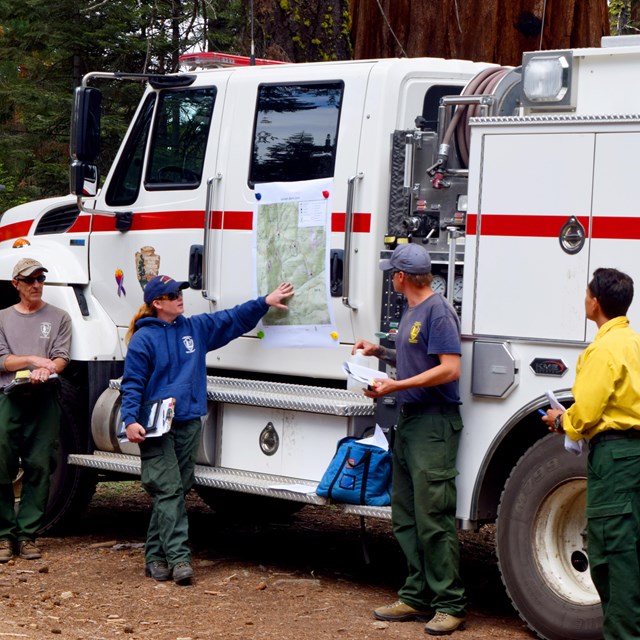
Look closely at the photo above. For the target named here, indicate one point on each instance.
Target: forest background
(46, 48)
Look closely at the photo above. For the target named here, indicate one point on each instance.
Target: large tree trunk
(482, 30)
(302, 31)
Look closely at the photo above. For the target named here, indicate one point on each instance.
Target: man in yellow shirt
(607, 413)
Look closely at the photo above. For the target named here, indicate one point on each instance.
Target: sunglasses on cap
(31, 279)
(170, 296)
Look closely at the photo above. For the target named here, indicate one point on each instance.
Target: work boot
(158, 570)
(442, 624)
(29, 550)
(400, 612)
(182, 573)
(6, 550)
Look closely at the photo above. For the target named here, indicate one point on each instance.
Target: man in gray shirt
(35, 338)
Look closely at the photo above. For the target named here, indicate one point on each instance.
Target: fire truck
(519, 181)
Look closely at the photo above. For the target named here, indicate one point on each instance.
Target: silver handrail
(348, 225)
(205, 243)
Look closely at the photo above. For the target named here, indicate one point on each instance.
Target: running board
(262, 484)
(289, 397)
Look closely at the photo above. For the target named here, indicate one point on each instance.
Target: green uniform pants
(168, 464)
(613, 534)
(423, 503)
(29, 429)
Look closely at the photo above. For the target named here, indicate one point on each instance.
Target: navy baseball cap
(410, 258)
(161, 285)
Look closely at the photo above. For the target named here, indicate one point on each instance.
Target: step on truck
(519, 181)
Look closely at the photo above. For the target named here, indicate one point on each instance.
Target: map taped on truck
(291, 244)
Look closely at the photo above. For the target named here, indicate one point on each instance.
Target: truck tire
(541, 543)
(71, 487)
(236, 505)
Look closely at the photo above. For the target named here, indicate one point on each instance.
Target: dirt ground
(301, 579)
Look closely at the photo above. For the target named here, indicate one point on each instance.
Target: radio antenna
(252, 57)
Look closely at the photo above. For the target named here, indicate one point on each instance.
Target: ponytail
(145, 311)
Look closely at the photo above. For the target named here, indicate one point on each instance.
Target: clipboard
(155, 416)
(22, 381)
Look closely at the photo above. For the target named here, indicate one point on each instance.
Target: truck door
(532, 230)
(160, 175)
(290, 125)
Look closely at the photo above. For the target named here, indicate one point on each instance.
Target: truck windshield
(295, 132)
(125, 183)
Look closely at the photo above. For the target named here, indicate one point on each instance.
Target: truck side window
(125, 183)
(429, 119)
(295, 132)
(179, 141)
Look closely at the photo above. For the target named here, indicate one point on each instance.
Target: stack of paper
(364, 375)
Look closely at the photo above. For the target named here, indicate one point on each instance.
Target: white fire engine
(520, 182)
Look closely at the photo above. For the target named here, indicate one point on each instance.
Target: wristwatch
(557, 424)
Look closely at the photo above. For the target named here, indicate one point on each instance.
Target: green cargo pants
(423, 503)
(29, 429)
(613, 534)
(168, 464)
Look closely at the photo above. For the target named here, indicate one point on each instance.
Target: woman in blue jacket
(166, 359)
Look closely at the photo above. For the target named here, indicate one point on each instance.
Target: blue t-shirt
(427, 330)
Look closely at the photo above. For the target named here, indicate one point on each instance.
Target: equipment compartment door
(616, 208)
(533, 186)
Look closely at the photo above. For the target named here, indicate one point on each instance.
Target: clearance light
(546, 79)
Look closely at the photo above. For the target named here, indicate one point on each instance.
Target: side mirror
(85, 125)
(83, 179)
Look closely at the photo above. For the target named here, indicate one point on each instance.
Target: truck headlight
(546, 79)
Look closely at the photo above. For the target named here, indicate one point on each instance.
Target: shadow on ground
(319, 541)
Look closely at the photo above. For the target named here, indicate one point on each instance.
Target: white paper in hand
(570, 445)
(366, 375)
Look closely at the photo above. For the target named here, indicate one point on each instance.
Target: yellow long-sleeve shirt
(607, 385)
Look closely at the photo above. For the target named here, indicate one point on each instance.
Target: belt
(409, 409)
(603, 436)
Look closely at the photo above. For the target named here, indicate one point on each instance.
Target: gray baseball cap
(410, 258)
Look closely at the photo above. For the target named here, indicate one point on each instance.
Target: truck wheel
(541, 543)
(247, 506)
(71, 487)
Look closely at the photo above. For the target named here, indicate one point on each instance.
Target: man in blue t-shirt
(423, 499)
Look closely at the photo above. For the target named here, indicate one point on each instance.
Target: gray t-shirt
(429, 329)
(45, 333)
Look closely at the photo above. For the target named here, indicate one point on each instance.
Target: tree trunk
(301, 31)
(482, 30)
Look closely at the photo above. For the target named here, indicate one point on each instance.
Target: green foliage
(624, 17)
(47, 47)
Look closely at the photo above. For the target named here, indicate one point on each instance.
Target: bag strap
(366, 458)
(338, 472)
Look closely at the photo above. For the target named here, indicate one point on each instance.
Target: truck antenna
(544, 11)
(252, 58)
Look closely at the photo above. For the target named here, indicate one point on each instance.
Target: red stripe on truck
(227, 220)
(516, 226)
(15, 230)
(175, 220)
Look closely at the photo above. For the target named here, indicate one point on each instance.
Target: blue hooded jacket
(169, 360)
